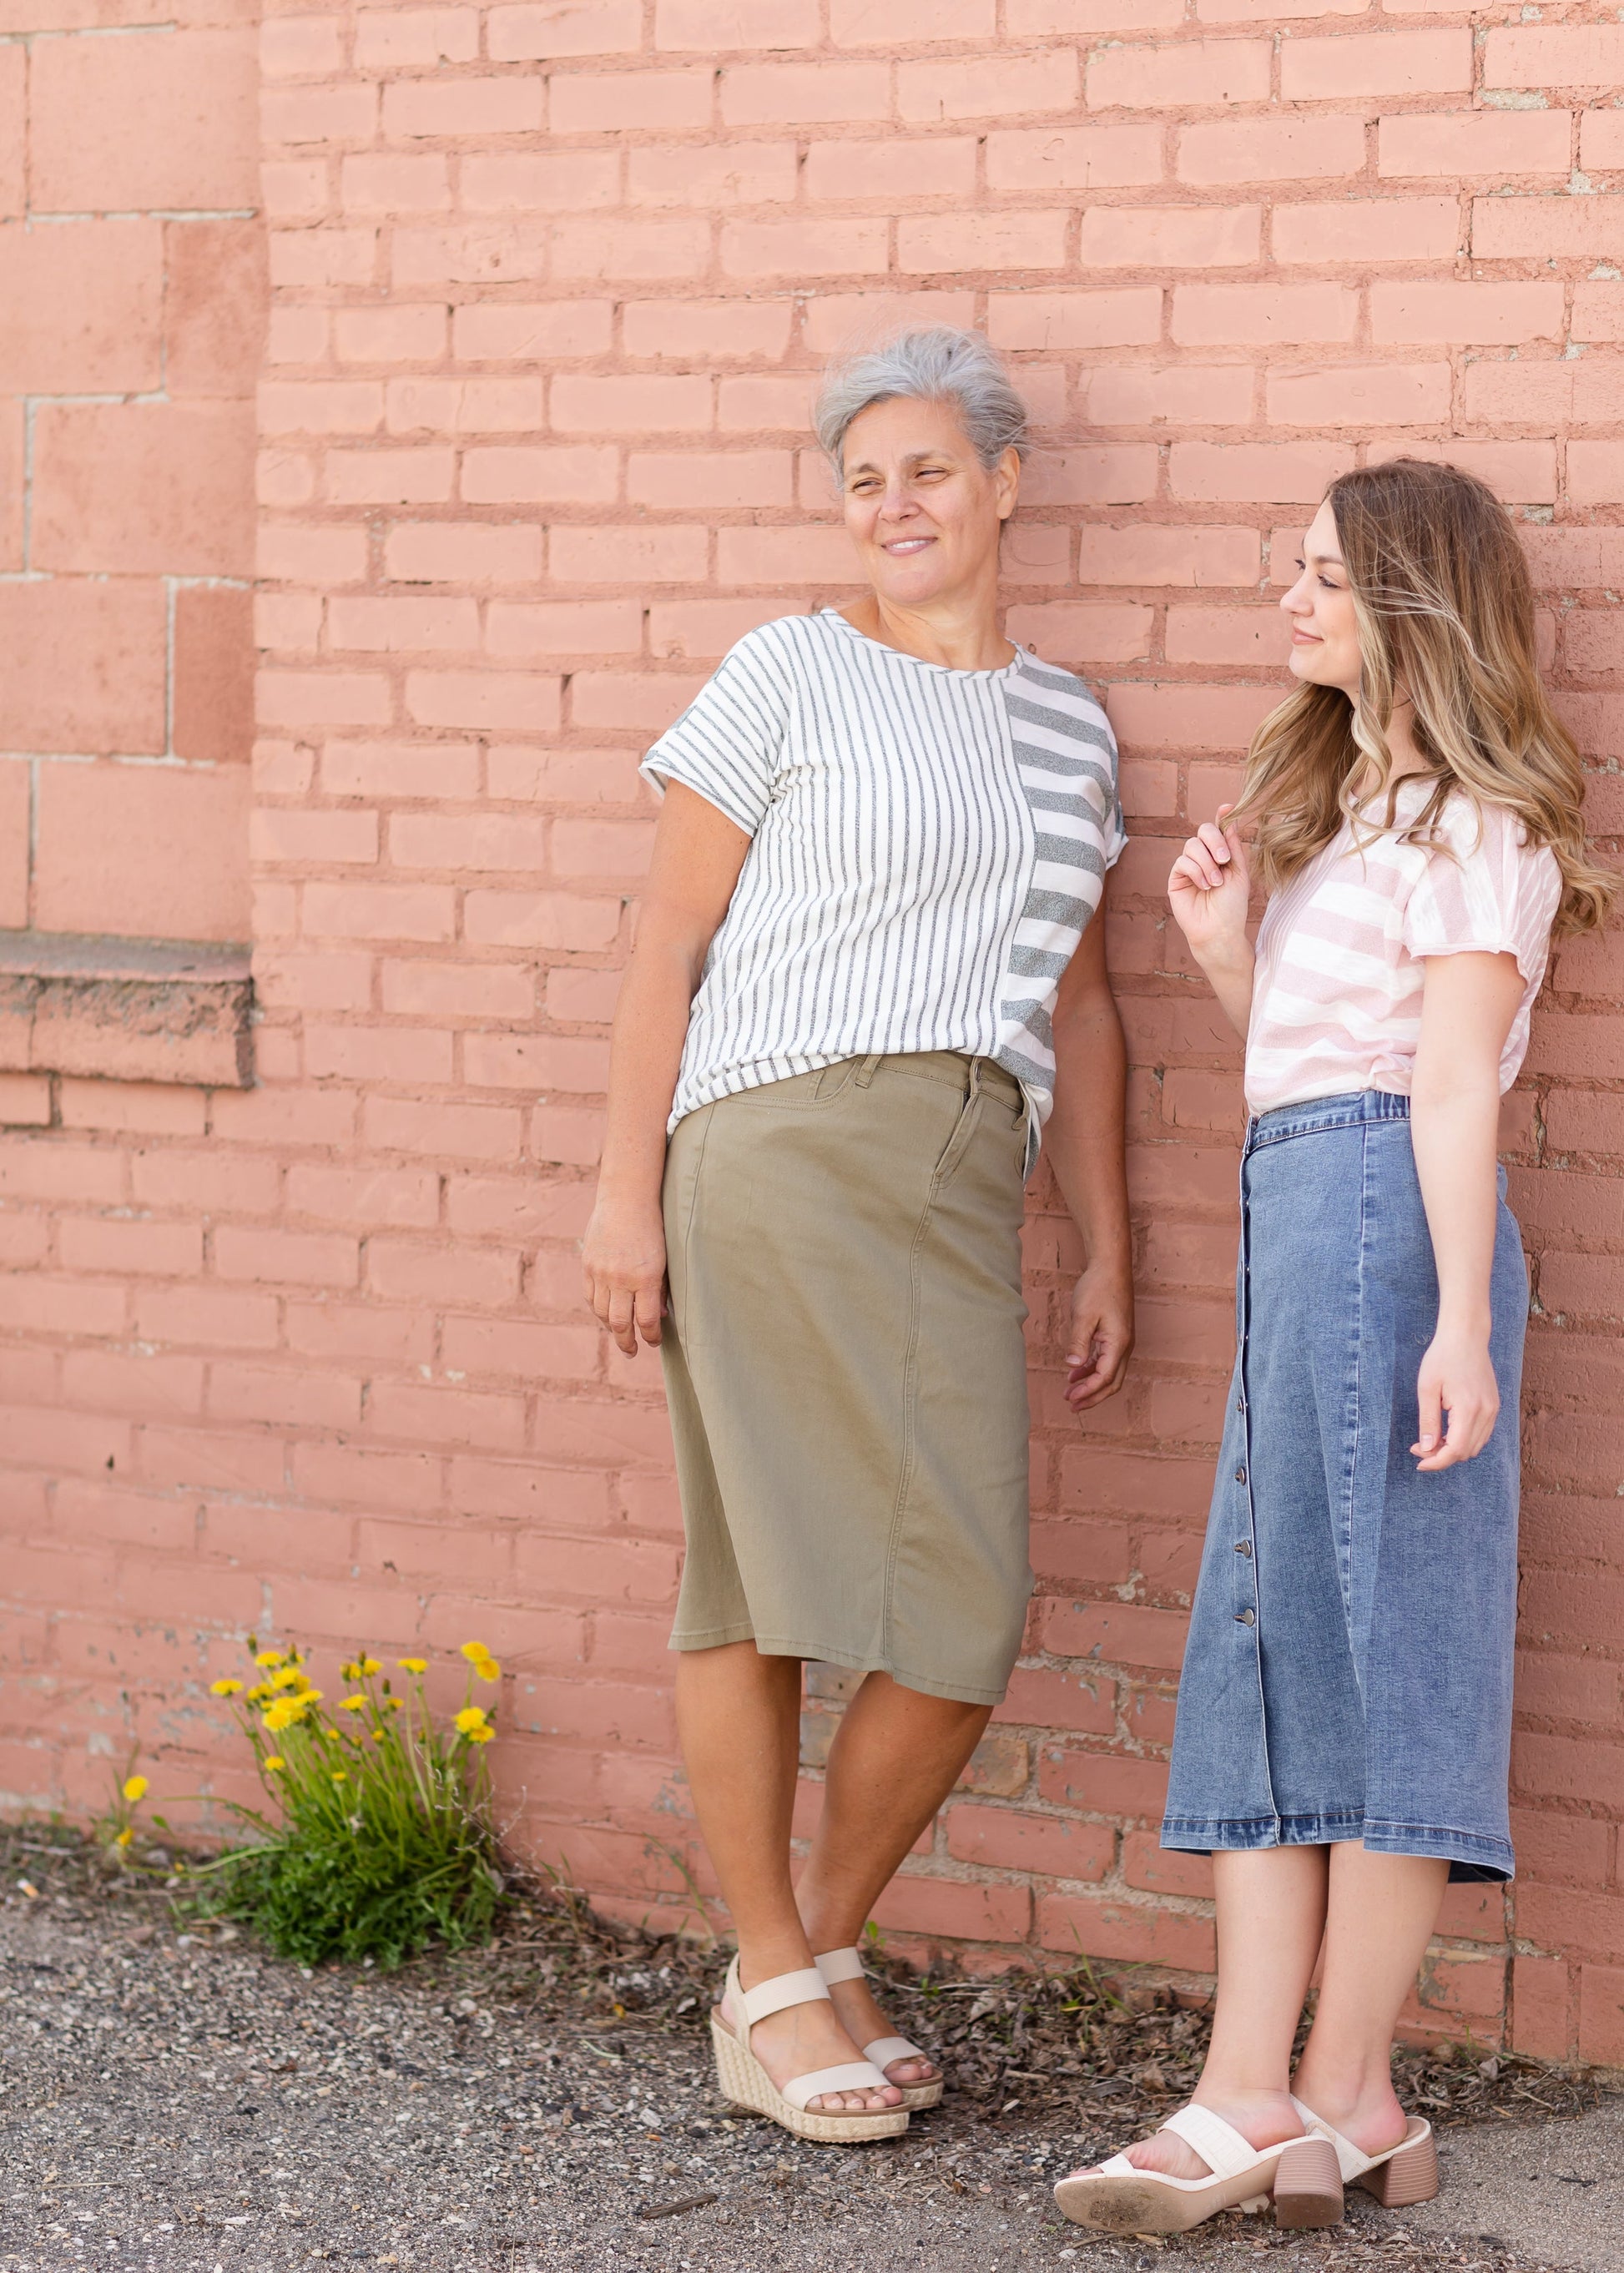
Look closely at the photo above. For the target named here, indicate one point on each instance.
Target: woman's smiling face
(1325, 631)
(923, 512)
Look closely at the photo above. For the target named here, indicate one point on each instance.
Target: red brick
(1137, 1934)
(351, 1476)
(953, 1909)
(1041, 1697)
(527, 30)
(175, 121)
(1282, 149)
(1580, 56)
(1381, 64)
(1540, 2006)
(1003, 1839)
(1476, 313)
(83, 307)
(1422, 142)
(1208, 72)
(1117, 1632)
(1164, 1870)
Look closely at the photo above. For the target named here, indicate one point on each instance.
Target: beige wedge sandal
(1120, 2198)
(1404, 2174)
(748, 2084)
(838, 1965)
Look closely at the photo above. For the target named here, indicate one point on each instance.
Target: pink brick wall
(131, 311)
(548, 281)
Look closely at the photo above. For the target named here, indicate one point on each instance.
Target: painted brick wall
(132, 292)
(547, 282)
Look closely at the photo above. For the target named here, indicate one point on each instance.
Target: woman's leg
(737, 1715)
(1271, 1920)
(895, 1758)
(1382, 1911)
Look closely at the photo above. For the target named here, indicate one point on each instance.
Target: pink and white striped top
(1336, 999)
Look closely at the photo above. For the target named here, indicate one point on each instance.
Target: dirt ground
(184, 2102)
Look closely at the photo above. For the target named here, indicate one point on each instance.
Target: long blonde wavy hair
(1444, 610)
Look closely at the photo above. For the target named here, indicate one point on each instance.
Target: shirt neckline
(948, 671)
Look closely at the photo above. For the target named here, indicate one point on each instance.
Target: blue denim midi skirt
(1349, 1669)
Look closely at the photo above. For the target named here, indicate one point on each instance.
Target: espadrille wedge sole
(836, 1965)
(746, 2083)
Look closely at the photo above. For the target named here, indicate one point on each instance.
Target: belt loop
(869, 1067)
(974, 1089)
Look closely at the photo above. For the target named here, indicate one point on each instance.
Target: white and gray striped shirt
(929, 847)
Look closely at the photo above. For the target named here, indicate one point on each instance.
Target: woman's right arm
(698, 853)
(1209, 891)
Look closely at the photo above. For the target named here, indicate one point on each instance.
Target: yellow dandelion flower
(351, 1671)
(260, 1691)
(124, 1837)
(487, 1669)
(470, 1719)
(271, 1657)
(284, 1713)
(413, 1664)
(225, 1688)
(475, 1652)
(369, 1666)
(135, 1788)
(274, 1762)
(286, 1676)
(339, 1775)
(332, 1735)
(353, 1705)
(481, 1735)
(378, 1736)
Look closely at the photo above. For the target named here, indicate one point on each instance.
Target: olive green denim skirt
(847, 1372)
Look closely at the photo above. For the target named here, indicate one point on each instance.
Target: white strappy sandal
(838, 1965)
(1404, 2174)
(1120, 2198)
(748, 2084)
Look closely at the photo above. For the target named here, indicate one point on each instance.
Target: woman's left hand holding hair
(1469, 1001)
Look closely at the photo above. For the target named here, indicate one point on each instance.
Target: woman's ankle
(1262, 2113)
(1357, 2100)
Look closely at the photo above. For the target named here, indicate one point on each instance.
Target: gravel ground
(183, 2102)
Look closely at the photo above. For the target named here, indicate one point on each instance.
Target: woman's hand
(623, 1258)
(1101, 1336)
(1210, 889)
(1458, 1378)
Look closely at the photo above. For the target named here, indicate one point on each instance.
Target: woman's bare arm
(1466, 1013)
(1085, 1141)
(698, 853)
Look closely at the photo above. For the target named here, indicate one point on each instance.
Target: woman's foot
(1264, 2118)
(801, 2040)
(863, 2020)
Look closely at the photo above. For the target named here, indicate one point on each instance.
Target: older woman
(870, 972)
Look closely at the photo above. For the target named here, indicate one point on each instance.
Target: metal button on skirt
(1349, 1669)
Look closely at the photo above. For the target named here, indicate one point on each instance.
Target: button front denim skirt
(1349, 1669)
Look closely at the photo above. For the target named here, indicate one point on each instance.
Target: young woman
(1344, 1714)
(869, 968)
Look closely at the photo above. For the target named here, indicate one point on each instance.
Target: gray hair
(937, 364)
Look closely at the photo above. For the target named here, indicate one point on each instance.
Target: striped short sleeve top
(1341, 953)
(928, 847)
